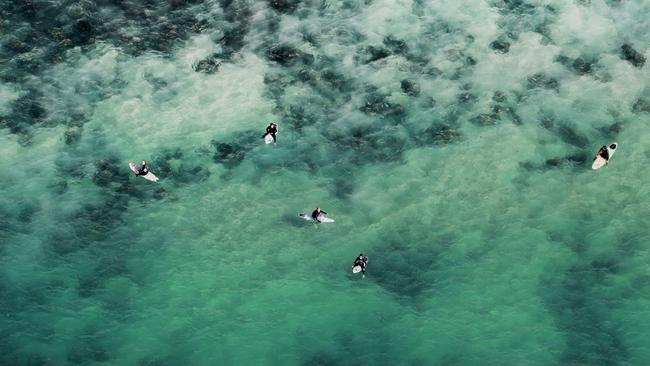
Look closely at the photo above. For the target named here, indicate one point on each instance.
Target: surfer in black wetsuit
(362, 262)
(603, 153)
(143, 169)
(317, 212)
(271, 129)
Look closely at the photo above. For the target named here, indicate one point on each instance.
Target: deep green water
(450, 139)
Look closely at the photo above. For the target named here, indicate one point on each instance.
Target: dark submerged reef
(642, 105)
(26, 112)
(575, 161)
(580, 66)
(347, 351)
(583, 308)
(40, 34)
(540, 80)
(632, 56)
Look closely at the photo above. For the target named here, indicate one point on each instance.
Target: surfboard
(599, 162)
(268, 138)
(322, 218)
(149, 176)
(356, 269)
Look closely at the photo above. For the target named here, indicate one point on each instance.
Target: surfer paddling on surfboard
(360, 264)
(272, 130)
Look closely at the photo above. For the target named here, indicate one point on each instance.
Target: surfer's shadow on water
(297, 221)
(300, 221)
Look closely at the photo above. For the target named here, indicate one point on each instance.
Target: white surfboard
(322, 218)
(356, 269)
(599, 162)
(149, 176)
(268, 139)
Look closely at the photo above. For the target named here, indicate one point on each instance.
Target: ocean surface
(451, 140)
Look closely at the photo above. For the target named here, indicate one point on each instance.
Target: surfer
(316, 214)
(362, 262)
(271, 129)
(143, 169)
(603, 153)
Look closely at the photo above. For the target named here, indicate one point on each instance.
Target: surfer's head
(144, 162)
(612, 146)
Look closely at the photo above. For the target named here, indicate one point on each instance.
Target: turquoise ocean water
(451, 140)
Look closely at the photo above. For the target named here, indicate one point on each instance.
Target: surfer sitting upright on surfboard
(316, 214)
(143, 169)
(271, 129)
(604, 155)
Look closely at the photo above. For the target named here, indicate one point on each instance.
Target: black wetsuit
(316, 213)
(604, 153)
(271, 130)
(143, 170)
(361, 261)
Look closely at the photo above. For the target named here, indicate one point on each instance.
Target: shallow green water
(451, 141)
